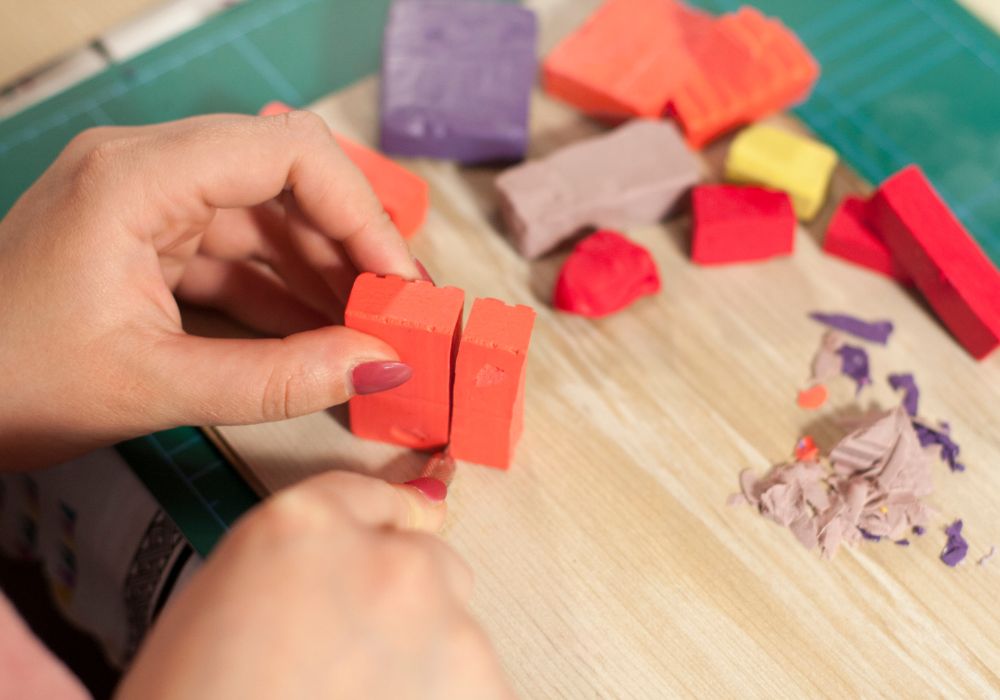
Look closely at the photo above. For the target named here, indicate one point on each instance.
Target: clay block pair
(479, 415)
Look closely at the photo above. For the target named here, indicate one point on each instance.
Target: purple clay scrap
(919, 530)
(941, 436)
(956, 547)
(903, 543)
(855, 365)
(872, 331)
(911, 393)
(456, 79)
(869, 536)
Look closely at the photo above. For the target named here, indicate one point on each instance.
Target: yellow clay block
(781, 160)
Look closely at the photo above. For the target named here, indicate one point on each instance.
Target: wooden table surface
(33, 34)
(607, 561)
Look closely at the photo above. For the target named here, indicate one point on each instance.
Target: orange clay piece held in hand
(421, 322)
(403, 194)
(488, 403)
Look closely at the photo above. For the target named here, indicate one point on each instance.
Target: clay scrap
(871, 485)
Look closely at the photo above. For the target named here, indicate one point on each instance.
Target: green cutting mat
(192, 481)
(903, 81)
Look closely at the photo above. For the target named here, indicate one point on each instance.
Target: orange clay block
(746, 67)
(421, 322)
(488, 398)
(625, 60)
(403, 195)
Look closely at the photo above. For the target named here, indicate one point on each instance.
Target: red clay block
(403, 195)
(947, 265)
(625, 60)
(739, 224)
(850, 236)
(421, 322)
(488, 398)
(605, 273)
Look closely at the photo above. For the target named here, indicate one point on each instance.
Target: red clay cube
(490, 370)
(735, 224)
(947, 265)
(850, 236)
(421, 322)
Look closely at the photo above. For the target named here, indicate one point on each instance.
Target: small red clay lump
(605, 273)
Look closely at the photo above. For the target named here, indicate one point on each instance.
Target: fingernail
(434, 489)
(373, 377)
(441, 467)
(423, 271)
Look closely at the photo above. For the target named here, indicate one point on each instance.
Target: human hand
(262, 217)
(328, 589)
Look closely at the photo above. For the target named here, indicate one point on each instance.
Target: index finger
(226, 161)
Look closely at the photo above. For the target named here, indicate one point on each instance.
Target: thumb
(229, 382)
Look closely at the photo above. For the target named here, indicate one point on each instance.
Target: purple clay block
(873, 331)
(855, 365)
(911, 393)
(456, 79)
(956, 547)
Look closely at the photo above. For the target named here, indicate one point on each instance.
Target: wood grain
(608, 564)
(33, 34)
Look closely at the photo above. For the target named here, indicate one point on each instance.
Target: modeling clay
(738, 224)
(806, 450)
(873, 490)
(632, 175)
(983, 560)
(855, 365)
(456, 79)
(626, 59)
(781, 160)
(908, 385)
(874, 331)
(956, 548)
(605, 273)
(421, 322)
(488, 398)
(814, 397)
(851, 236)
(940, 436)
(827, 362)
(746, 66)
(403, 195)
(961, 284)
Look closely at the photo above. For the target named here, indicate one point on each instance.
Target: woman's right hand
(332, 588)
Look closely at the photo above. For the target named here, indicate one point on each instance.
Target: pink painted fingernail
(434, 489)
(373, 377)
(423, 271)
